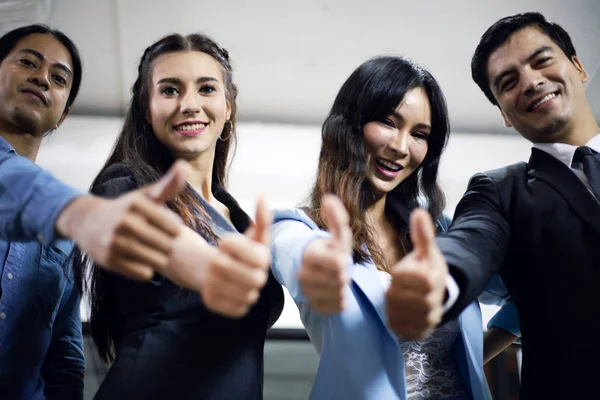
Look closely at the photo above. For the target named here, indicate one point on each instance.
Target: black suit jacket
(538, 226)
(170, 346)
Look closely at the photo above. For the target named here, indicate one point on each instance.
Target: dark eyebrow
(177, 81)
(529, 58)
(41, 57)
(399, 116)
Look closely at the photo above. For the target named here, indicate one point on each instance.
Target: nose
(533, 82)
(189, 103)
(399, 143)
(40, 78)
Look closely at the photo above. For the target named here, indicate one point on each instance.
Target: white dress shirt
(565, 153)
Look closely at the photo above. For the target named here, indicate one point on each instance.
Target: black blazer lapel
(556, 174)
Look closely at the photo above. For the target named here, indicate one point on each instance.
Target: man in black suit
(537, 224)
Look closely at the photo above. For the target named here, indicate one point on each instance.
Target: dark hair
(148, 160)
(372, 93)
(10, 40)
(501, 31)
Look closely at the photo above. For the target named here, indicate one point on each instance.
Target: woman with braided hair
(165, 341)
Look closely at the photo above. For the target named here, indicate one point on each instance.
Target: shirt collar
(5, 147)
(565, 152)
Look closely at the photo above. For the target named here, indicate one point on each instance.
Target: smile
(388, 168)
(190, 129)
(541, 102)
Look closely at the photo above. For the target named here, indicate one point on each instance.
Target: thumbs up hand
(416, 294)
(324, 271)
(238, 269)
(131, 235)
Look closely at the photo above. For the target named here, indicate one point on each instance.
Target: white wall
(278, 161)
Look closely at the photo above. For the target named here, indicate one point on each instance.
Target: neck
(375, 213)
(581, 129)
(25, 145)
(200, 177)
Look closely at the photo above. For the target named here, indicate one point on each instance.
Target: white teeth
(543, 100)
(389, 165)
(190, 127)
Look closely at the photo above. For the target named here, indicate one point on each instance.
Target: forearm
(495, 341)
(30, 200)
(476, 244)
(289, 242)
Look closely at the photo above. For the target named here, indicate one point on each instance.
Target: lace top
(431, 373)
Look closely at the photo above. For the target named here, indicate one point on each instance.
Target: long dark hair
(10, 40)
(148, 160)
(372, 93)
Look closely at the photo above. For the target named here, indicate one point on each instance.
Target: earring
(228, 122)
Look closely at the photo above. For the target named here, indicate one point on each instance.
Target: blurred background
(289, 59)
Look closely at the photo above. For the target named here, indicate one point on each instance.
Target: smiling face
(539, 90)
(188, 105)
(35, 82)
(397, 145)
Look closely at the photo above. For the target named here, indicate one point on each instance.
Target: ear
(62, 117)
(580, 71)
(228, 112)
(506, 121)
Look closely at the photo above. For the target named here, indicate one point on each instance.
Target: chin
(29, 123)
(553, 128)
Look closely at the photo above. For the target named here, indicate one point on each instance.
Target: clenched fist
(324, 271)
(416, 294)
(230, 276)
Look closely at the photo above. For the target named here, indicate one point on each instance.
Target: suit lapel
(547, 168)
(365, 277)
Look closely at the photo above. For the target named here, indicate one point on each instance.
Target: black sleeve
(114, 181)
(476, 243)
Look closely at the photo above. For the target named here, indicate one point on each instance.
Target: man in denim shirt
(41, 348)
(134, 235)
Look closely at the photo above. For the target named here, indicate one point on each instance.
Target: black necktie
(590, 160)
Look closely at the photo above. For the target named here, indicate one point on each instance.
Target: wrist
(70, 217)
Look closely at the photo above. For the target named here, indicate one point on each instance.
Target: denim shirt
(41, 344)
(30, 198)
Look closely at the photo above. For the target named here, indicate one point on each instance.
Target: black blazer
(539, 227)
(170, 346)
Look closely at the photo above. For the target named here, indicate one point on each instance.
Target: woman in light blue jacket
(382, 143)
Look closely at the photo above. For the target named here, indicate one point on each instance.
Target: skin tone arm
(228, 277)
(132, 235)
(495, 341)
(135, 235)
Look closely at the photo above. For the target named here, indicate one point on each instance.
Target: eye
(60, 80)
(542, 61)
(207, 89)
(507, 84)
(420, 135)
(27, 63)
(169, 91)
(388, 122)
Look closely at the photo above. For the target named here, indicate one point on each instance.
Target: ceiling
(290, 58)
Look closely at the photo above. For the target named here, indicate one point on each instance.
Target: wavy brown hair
(148, 160)
(372, 93)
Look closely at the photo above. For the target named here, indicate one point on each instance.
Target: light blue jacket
(360, 357)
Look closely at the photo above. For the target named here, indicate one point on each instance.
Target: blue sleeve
(30, 199)
(507, 318)
(289, 239)
(64, 366)
(495, 292)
